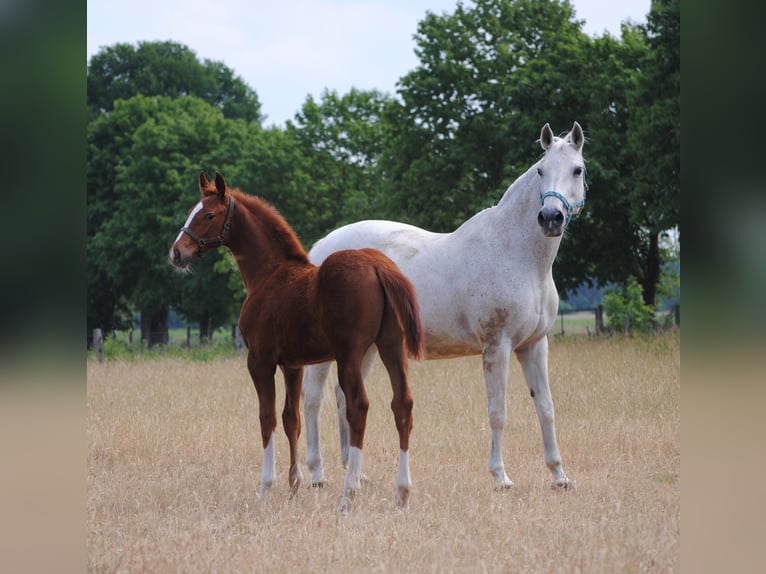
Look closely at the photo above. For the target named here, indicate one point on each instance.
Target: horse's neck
(516, 215)
(255, 249)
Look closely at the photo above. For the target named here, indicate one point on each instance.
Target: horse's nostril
(176, 255)
(559, 218)
(540, 218)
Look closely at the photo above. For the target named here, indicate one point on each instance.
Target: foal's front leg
(263, 379)
(291, 421)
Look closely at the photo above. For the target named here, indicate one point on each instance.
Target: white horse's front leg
(314, 379)
(534, 362)
(353, 481)
(495, 358)
(269, 472)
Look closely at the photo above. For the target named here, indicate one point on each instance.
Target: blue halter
(573, 211)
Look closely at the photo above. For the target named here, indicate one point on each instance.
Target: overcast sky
(288, 49)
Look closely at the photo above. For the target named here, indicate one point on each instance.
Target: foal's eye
(577, 171)
(540, 172)
(209, 216)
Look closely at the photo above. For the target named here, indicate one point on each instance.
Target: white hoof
(502, 482)
(347, 502)
(403, 497)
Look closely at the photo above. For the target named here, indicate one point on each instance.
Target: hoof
(346, 504)
(295, 481)
(502, 482)
(402, 498)
(563, 484)
(263, 491)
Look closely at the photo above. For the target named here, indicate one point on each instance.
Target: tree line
(460, 128)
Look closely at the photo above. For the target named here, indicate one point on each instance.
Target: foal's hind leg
(343, 431)
(291, 421)
(357, 404)
(392, 353)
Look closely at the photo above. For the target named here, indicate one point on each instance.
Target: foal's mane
(273, 224)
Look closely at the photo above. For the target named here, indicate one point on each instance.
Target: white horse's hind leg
(496, 356)
(313, 389)
(344, 436)
(269, 472)
(534, 362)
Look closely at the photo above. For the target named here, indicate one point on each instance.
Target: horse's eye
(577, 171)
(540, 172)
(209, 216)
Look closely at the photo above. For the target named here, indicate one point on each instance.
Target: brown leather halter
(212, 240)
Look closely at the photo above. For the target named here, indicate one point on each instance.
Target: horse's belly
(449, 349)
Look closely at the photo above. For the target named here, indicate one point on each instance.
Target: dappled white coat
(486, 288)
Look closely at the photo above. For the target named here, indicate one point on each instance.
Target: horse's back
(399, 241)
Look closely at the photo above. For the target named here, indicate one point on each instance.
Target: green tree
(122, 71)
(150, 152)
(605, 245)
(626, 303)
(655, 139)
(339, 141)
(490, 75)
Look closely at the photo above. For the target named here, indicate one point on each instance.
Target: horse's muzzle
(176, 259)
(551, 221)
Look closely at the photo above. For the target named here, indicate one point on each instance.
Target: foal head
(207, 225)
(561, 175)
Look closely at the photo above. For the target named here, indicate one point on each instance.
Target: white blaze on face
(189, 219)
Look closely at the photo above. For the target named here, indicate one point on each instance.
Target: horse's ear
(220, 185)
(204, 183)
(577, 137)
(546, 136)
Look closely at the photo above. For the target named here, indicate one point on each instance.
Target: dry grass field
(174, 462)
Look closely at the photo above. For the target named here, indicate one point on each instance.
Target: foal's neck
(261, 239)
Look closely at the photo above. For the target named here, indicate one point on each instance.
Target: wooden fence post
(98, 344)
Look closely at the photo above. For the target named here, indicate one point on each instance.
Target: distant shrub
(620, 301)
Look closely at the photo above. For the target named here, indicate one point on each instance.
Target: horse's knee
(356, 412)
(291, 421)
(497, 416)
(402, 408)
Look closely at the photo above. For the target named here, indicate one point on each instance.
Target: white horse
(486, 288)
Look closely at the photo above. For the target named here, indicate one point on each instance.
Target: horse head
(561, 173)
(207, 224)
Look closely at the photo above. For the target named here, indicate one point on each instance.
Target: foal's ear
(576, 136)
(546, 136)
(220, 185)
(204, 183)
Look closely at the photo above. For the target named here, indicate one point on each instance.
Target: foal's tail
(401, 294)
